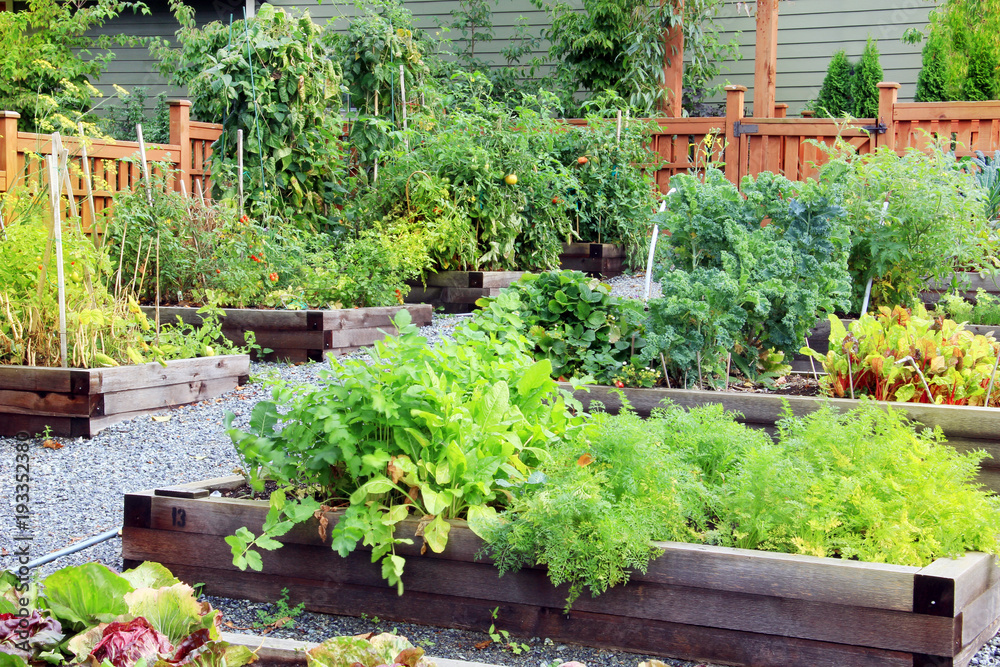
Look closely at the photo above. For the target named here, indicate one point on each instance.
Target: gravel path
(76, 492)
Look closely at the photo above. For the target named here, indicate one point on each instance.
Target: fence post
(8, 147)
(781, 110)
(765, 72)
(180, 136)
(735, 157)
(673, 67)
(887, 94)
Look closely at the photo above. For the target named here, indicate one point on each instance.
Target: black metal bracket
(740, 129)
(877, 128)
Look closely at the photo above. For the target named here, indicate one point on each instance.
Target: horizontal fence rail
(114, 165)
(747, 145)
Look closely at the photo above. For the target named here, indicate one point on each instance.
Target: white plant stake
(239, 167)
(402, 93)
(989, 390)
(145, 165)
(652, 249)
(868, 287)
(618, 131)
(54, 189)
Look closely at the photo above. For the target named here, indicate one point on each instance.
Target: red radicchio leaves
(192, 642)
(33, 632)
(123, 644)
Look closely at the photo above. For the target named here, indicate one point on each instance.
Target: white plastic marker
(652, 247)
(868, 287)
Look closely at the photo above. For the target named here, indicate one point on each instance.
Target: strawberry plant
(905, 356)
(570, 320)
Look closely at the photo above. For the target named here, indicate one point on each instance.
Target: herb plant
(984, 310)
(436, 431)
(861, 485)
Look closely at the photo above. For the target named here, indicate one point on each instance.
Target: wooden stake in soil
(89, 182)
(54, 188)
(666, 376)
(811, 363)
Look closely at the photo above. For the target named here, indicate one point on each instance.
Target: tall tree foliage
(967, 33)
(618, 45)
(47, 63)
(933, 72)
(864, 83)
(835, 94)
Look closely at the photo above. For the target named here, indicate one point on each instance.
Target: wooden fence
(747, 145)
(112, 164)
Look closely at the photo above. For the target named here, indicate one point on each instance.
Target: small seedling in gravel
(283, 616)
(502, 637)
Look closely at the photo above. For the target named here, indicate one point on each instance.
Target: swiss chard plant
(910, 357)
(88, 614)
(435, 433)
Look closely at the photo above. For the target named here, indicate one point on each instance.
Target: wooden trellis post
(673, 68)
(765, 74)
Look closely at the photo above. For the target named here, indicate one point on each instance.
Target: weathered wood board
(80, 402)
(695, 602)
(596, 259)
(304, 335)
(966, 428)
(458, 291)
(967, 284)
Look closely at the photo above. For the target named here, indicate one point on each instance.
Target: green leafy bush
(274, 78)
(48, 64)
(834, 98)
(569, 320)
(438, 431)
(933, 225)
(479, 186)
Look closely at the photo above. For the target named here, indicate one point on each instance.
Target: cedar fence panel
(747, 145)
(22, 159)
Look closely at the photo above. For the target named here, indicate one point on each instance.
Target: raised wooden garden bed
(304, 335)
(696, 602)
(458, 291)
(80, 402)
(966, 428)
(968, 284)
(595, 259)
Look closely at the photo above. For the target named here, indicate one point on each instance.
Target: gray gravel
(76, 492)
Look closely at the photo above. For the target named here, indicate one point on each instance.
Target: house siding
(810, 31)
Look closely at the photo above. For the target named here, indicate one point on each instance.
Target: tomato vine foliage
(437, 432)
(272, 76)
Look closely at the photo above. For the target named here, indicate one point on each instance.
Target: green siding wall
(809, 33)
